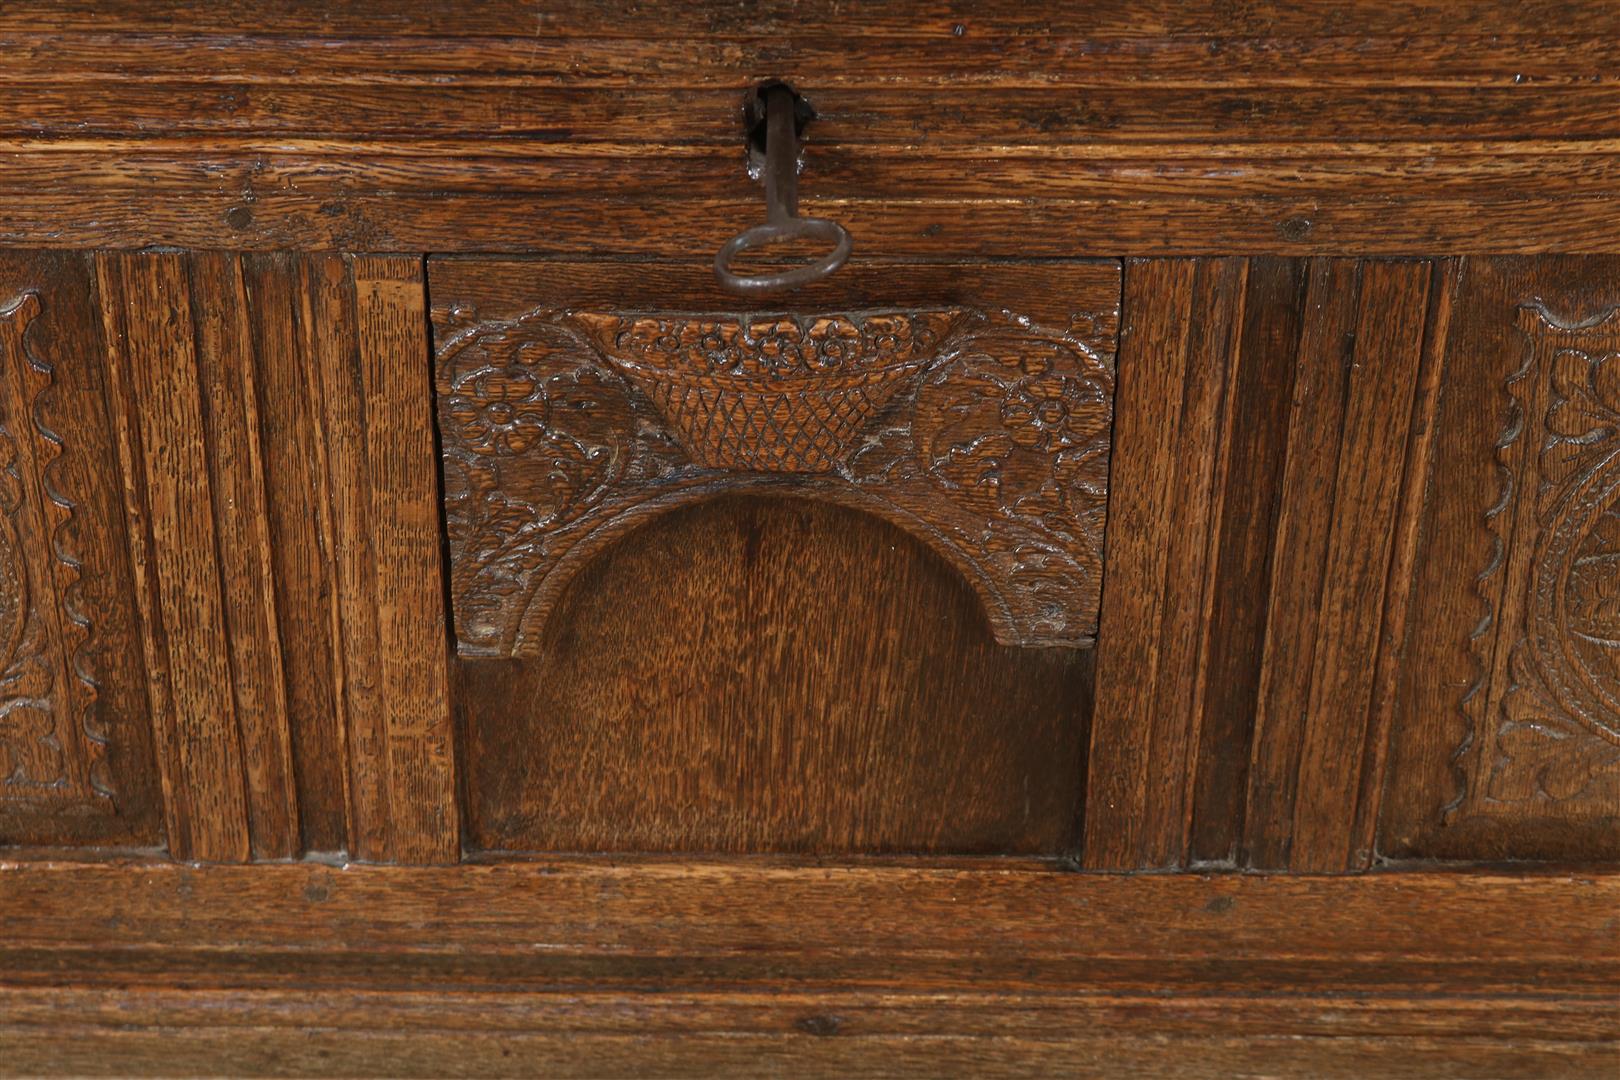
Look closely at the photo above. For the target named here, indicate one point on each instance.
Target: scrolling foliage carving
(984, 434)
(50, 747)
(1551, 685)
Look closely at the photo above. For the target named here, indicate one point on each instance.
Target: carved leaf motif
(987, 437)
(1019, 425)
(523, 409)
(1543, 754)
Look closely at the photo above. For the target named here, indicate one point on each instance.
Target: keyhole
(754, 124)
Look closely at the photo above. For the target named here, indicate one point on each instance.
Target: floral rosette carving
(27, 729)
(1577, 583)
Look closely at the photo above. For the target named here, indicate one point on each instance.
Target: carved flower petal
(1085, 470)
(521, 435)
(1579, 413)
(506, 384)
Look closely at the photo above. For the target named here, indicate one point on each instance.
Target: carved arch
(985, 436)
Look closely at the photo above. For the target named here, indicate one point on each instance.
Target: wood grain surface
(759, 673)
(970, 405)
(789, 759)
(390, 602)
(1167, 483)
(1273, 419)
(1266, 127)
(1505, 714)
(1002, 968)
(152, 366)
(76, 739)
(752, 671)
(257, 431)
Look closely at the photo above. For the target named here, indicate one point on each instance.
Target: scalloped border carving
(50, 745)
(1545, 710)
(993, 448)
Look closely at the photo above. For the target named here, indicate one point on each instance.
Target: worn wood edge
(1343, 220)
(581, 966)
(740, 52)
(667, 905)
(1193, 128)
(1108, 19)
(1144, 1052)
(401, 487)
(190, 1032)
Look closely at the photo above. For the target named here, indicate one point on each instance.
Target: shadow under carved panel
(1512, 741)
(578, 402)
(75, 758)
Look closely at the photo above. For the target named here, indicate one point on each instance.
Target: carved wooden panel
(50, 744)
(1548, 700)
(1510, 743)
(75, 761)
(981, 428)
(221, 624)
(738, 578)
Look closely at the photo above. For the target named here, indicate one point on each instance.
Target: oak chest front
(1155, 606)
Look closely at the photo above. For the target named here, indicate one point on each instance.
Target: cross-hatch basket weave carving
(771, 393)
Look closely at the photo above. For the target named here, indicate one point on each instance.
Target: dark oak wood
(1266, 354)
(153, 371)
(76, 743)
(702, 685)
(300, 569)
(576, 400)
(278, 601)
(1348, 448)
(1166, 495)
(1111, 19)
(1507, 730)
(591, 968)
(525, 127)
(391, 629)
(1272, 444)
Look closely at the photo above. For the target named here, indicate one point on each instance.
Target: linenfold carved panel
(983, 433)
(50, 745)
(1550, 660)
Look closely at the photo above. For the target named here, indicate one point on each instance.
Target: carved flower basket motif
(771, 393)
